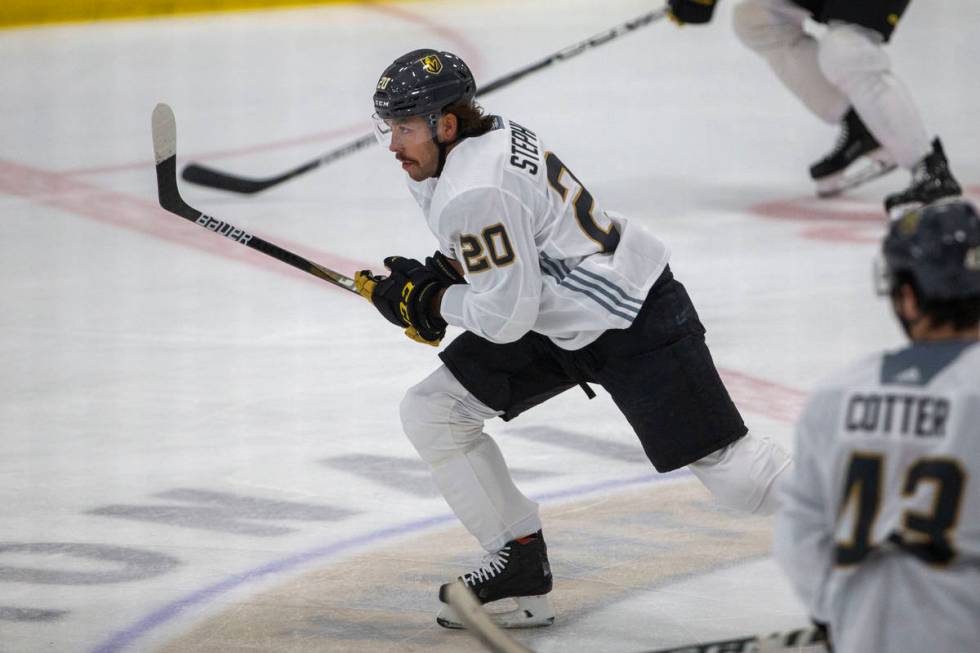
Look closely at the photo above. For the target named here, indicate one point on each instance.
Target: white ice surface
(140, 355)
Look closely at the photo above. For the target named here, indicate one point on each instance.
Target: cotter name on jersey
(223, 228)
(524, 150)
(899, 415)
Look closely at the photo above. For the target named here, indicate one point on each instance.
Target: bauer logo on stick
(223, 228)
(431, 64)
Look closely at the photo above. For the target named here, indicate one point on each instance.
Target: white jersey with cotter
(880, 524)
(538, 252)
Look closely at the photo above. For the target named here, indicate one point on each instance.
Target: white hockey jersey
(879, 527)
(538, 252)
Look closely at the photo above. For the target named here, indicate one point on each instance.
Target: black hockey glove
(443, 266)
(405, 297)
(691, 12)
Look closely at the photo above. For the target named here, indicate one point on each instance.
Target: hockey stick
(205, 176)
(790, 640)
(478, 622)
(165, 150)
(480, 625)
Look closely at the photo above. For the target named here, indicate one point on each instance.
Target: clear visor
(401, 131)
(882, 276)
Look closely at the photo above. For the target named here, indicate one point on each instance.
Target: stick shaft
(574, 50)
(479, 623)
(790, 640)
(171, 200)
(481, 626)
(212, 178)
(206, 176)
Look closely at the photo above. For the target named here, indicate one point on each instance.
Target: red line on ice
(461, 44)
(144, 217)
(763, 397)
(224, 154)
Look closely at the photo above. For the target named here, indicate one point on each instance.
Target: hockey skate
(857, 158)
(518, 573)
(931, 181)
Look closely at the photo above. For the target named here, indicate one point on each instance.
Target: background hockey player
(879, 529)
(552, 292)
(844, 77)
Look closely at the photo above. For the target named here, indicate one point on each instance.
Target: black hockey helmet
(938, 245)
(422, 83)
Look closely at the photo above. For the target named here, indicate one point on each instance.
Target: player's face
(411, 141)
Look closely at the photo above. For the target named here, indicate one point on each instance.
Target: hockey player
(879, 528)
(844, 77)
(552, 292)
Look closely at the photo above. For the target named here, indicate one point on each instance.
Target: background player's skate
(931, 181)
(856, 159)
(519, 573)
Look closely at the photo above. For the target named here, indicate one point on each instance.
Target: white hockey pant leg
(744, 474)
(445, 424)
(853, 58)
(774, 30)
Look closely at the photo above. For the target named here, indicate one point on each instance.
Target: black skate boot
(931, 180)
(856, 158)
(519, 571)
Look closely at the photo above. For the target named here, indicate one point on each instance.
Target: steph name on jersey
(896, 415)
(525, 153)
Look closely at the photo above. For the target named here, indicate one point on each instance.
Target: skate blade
(860, 172)
(531, 612)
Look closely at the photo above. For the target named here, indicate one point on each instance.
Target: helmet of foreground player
(420, 83)
(939, 246)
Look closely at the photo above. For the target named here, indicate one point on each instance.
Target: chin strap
(443, 153)
(442, 147)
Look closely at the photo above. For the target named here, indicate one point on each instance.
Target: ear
(906, 303)
(448, 128)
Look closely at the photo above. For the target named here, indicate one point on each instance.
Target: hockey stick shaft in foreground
(205, 176)
(480, 625)
(791, 640)
(165, 150)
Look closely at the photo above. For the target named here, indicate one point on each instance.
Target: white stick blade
(164, 132)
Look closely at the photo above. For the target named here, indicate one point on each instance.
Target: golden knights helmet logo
(431, 64)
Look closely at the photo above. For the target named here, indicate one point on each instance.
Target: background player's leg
(445, 424)
(853, 58)
(744, 474)
(774, 30)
